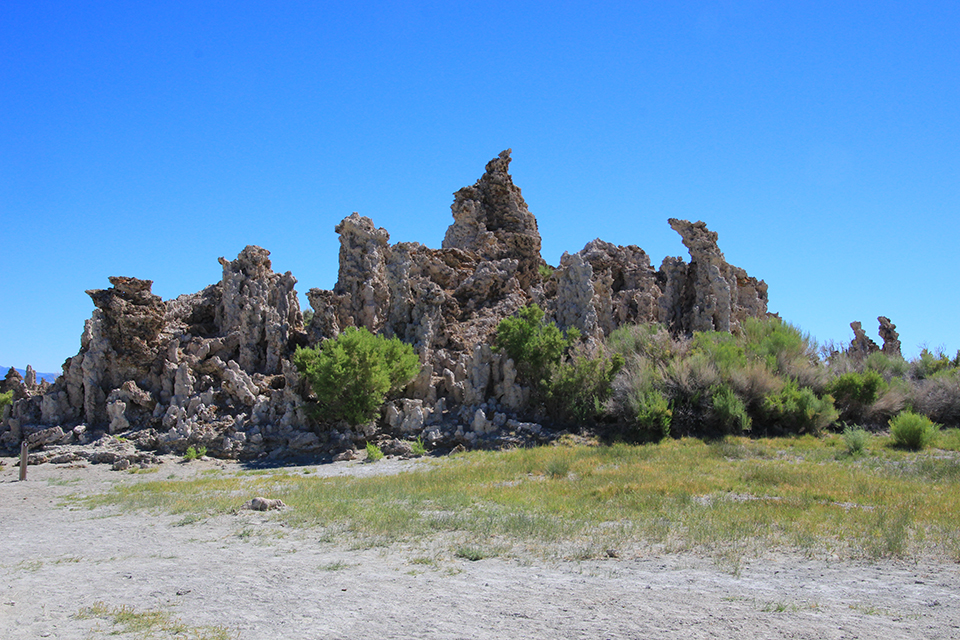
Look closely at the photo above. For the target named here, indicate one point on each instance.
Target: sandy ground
(243, 572)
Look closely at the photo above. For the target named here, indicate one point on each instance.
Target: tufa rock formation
(890, 337)
(861, 346)
(214, 368)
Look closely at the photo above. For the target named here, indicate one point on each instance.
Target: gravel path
(249, 574)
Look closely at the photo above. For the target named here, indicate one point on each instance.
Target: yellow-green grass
(730, 498)
(147, 624)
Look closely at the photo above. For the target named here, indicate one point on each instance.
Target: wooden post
(23, 460)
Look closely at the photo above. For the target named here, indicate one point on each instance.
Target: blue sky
(822, 143)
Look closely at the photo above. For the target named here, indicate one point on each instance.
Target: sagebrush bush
(636, 399)
(768, 375)
(5, 399)
(855, 438)
(724, 351)
(646, 341)
(893, 399)
(912, 431)
(774, 376)
(353, 374)
(887, 366)
(753, 383)
(799, 410)
(578, 389)
(938, 397)
(688, 379)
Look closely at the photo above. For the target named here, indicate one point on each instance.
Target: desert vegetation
(769, 378)
(643, 384)
(569, 380)
(353, 374)
(728, 498)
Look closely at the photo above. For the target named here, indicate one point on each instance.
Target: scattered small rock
(264, 504)
(349, 454)
(64, 458)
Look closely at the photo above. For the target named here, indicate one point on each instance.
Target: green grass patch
(152, 624)
(732, 498)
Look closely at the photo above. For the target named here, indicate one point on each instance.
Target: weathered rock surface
(708, 294)
(890, 337)
(491, 219)
(861, 346)
(213, 368)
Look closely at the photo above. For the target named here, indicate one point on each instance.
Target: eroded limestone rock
(861, 346)
(890, 337)
(708, 294)
(214, 368)
(491, 219)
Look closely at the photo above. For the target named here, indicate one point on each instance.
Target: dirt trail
(249, 574)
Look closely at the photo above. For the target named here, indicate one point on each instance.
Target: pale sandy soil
(246, 573)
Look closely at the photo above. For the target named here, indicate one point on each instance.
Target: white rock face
(260, 307)
(708, 294)
(575, 295)
(118, 421)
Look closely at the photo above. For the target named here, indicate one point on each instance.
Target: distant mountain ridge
(51, 377)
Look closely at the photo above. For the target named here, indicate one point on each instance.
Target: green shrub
(784, 349)
(929, 364)
(373, 452)
(722, 349)
(730, 411)
(571, 389)
(860, 388)
(798, 409)
(354, 373)
(417, 448)
(912, 430)
(5, 399)
(853, 392)
(855, 438)
(194, 452)
(652, 414)
(887, 366)
(535, 346)
(579, 388)
(638, 400)
(545, 271)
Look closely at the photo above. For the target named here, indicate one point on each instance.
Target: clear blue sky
(821, 140)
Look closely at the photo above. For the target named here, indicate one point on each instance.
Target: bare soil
(260, 580)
